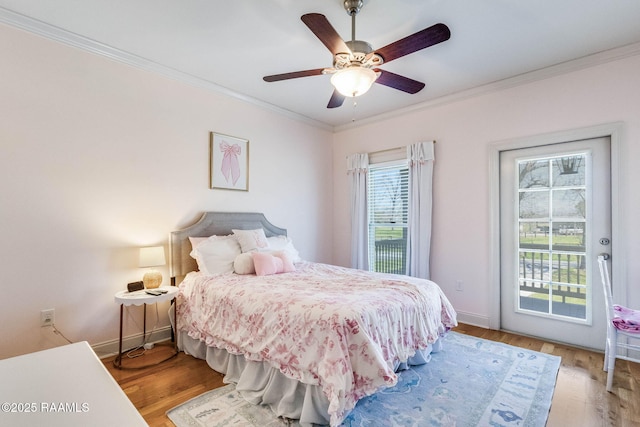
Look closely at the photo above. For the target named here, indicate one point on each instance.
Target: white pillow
(216, 254)
(252, 240)
(285, 244)
(243, 264)
(195, 241)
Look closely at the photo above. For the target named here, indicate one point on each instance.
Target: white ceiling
(230, 45)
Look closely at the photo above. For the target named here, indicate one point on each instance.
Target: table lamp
(152, 257)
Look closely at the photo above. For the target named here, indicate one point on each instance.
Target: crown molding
(60, 35)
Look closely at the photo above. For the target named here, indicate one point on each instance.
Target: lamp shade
(353, 81)
(152, 256)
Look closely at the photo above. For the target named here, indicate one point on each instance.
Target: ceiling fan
(355, 63)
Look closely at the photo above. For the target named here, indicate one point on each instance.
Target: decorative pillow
(287, 263)
(283, 243)
(195, 241)
(252, 240)
(216, 254)
(271, 263)
(243, 264)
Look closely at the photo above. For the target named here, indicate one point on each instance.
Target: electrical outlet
(47, 317)
(459, 286)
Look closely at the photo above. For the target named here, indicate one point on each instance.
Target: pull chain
(355, 104)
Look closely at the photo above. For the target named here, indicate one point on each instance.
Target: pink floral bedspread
(339, 328)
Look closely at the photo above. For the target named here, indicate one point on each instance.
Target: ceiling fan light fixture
(353, 81)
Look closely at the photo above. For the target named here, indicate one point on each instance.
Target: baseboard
(473, 319)
(110, 348)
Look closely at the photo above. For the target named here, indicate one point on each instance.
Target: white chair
(621, 321)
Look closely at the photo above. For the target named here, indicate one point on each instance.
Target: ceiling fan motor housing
(360, 55)
(359, 46)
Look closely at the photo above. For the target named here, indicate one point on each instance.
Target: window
(388, 202)
(552, 230)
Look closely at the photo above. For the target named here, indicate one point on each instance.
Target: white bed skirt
(261, 384)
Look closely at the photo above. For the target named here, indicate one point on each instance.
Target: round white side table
(126, 298)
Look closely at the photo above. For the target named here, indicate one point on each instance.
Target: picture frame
(228, 162)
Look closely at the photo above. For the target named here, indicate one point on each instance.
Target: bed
(307, 339)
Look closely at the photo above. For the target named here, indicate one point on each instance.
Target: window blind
(388, 204)
(385, 156)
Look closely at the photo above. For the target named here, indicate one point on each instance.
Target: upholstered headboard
(210, 223)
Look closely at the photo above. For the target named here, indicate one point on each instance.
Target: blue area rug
(471, 382)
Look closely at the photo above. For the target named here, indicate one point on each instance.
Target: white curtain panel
(420, 157)
(357, 168)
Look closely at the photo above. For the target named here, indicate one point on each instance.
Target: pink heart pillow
(271, 263)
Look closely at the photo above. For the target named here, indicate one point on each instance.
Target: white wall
(464, 131)
(99, 158)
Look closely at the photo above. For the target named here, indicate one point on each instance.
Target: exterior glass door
(554, 209)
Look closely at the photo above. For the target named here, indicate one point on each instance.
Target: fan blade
(399, 82)
(294, 75)
(320, 26)
(422, 39)
(336, 100)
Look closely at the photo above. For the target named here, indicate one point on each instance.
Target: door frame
(618, 266)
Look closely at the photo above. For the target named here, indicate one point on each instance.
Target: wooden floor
(580, 398)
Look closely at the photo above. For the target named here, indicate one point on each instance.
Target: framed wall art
(229, 162)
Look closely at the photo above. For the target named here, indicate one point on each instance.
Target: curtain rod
(387, 150)
(390, 149)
